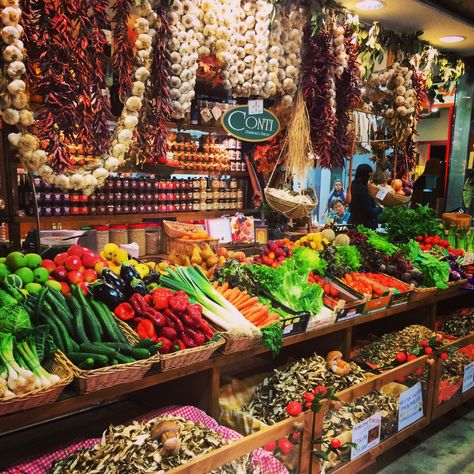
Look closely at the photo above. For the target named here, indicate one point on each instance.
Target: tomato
(334, 292)
(420, 238)
(429, 240)
(437, 239)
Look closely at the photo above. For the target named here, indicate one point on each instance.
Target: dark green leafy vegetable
(342, 259)
(377, 241)
(272, 338)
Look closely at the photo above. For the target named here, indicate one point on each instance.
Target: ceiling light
(452, 39)
(369, 5)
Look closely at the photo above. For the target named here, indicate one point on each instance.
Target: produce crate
(455, 390)
(353, 303)
(238, 344)
(372, 434)
(40, 396)
(423, 293)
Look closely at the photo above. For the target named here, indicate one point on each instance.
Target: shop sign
(411, 406)
(366, 435)
(249, 127)
(468, 380)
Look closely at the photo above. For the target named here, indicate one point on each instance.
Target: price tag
(255, 107)
(287, 329)
(382, 193)
(366, 434)
(411, 406)
(468, 381)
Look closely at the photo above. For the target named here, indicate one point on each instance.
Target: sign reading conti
(250, 128)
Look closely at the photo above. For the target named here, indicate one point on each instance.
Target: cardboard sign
(468, 381)
(240, 123)
(382, 193)
(411, 406)
(255, 107)
(366, 434)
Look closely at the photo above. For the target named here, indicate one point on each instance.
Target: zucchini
(66, 339)
(120, 347)
(56, 299)
(76, 310)
(39, 304)
(99, 348)
(123, 359)
(90, 319)
(56, 334)
(139, 353)
(78, 357)
(144, 343)
(114, 362)
(108, 322)
(57, 311)
(86, 364)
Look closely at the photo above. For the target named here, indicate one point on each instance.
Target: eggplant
(128, 273)
(113, 279)
(107, 293)
(152, 277)
(454, 276)
(138, 286)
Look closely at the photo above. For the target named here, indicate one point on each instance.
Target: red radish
(75, 277)
(294, 408)
(285, 446)
(309, 396)
(271, 446)
(444, 356)
(419, 372)
(76, 249)
(428, 350)
(320, 389)
(60, 259)
(411, 357)
(73, 263)
(60, 273)
(49, 265)
(90, 275)
(65, 288)
(401, 357)
(89, 260)
(296, 435)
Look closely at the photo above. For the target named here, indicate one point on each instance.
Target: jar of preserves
(233, 183)
(136, 233)
(196, 205)
(203, 183)
(101, 237)
(153, 236)
(118, 234)
(202, 206)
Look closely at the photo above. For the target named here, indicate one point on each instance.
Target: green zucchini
(78, 357)
(125, 349)
(108, 322)
(39, 304)
(139, 353)
(144, 343)
(76, 310)
(66, 339)
(98, 348)
(55, 332)
(58, 312)
(56, 299)
(123, 359)
(90, 319)
(86, 364)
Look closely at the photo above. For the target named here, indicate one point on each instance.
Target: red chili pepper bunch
(168, 318)
(348, 95)
(318, 72)
(268, 154)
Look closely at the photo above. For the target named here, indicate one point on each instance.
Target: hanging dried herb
(123, 51)
(347, 96)
(318, 72)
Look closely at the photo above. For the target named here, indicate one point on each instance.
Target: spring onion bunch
(215, 307)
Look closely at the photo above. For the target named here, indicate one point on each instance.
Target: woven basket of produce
(41, 396)
(422, 293)
(185, 246)
(238, 343)
(176, 230)
(456, 284)
(186, 357)
(291, 206)
(457, 219)
(86, 381)
(391, 199)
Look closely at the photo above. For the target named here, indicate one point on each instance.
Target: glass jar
(118, 234)
(196, 205)
(202, 206)
(153, 237)
(233, 183)
(136, 233)
(203, 183)
(101, 237)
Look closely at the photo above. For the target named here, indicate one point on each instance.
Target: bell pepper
(148, 299)
(142, 308)
(179, 345)
(194, 312)
(146, 330)
(155, 316)
(124, 311)
(160, 297)
(168, 332)
(193, 337)
(178, 302)
(106, 293)
(172, 317)
(165, 346)
(206, 330)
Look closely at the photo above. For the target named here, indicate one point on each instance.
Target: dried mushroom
(459, 326)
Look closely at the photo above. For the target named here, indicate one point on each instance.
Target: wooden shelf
(71, 402)
(164, 170)
(182, 127)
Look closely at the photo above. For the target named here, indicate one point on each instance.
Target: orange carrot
(215, 284)
(249, 303)
(241, 299)
(226, 293)
(262, 313)
(233, 295)
(223, 288)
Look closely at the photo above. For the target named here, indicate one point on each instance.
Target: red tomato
(429, 240)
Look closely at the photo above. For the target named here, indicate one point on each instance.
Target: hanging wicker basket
(288, 208)
(390, 199)
(456, 219)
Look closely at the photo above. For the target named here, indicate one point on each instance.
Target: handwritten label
(411, 406)
(382, 193)
(366, 434)
(468, 381)
(255, 107)
(287, 329)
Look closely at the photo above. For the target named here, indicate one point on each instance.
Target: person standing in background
(362, 207)
(337, 193)
(339, 213)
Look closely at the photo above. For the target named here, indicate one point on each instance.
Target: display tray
(350, 304)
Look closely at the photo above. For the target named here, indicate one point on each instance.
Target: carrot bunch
(257, 313)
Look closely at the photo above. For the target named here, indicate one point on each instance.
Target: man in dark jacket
(362, 207)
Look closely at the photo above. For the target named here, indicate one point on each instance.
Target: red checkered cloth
(261, 459)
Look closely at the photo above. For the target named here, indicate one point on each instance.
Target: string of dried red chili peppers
(123, 52)
(318, 67)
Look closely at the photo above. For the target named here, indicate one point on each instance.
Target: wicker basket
(457, 219)
(239, 344)
(189, 356)
(185, 246)
(422, 293)
(86, 381)
(390, 199)
(455, 284)
(175, 230)
(41, 396)
(288, 208)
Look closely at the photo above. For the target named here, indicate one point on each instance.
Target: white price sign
(366, 434)
(468, 380)
(411, 406)
(382, 193)
(255, 107)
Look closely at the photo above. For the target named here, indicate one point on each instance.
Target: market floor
(443, 447)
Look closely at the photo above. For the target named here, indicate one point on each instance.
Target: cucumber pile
(85, 330)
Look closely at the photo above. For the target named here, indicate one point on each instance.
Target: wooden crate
(439, 409)
(246, 445)
(364, 388)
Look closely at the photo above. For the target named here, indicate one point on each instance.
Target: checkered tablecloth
(262, 459)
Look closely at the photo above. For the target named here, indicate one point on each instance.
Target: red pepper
(146, 329)
(178, 302)
(160, 297)
(124, 311)
(194, 311)
(193, 337)
(168, 332)
(138, 303)
(207, 330)
(148, 299)
(165, 346)
(172, 317)
(155, 316)
(179, 345)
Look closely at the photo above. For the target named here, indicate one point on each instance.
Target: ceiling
(448, 17)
